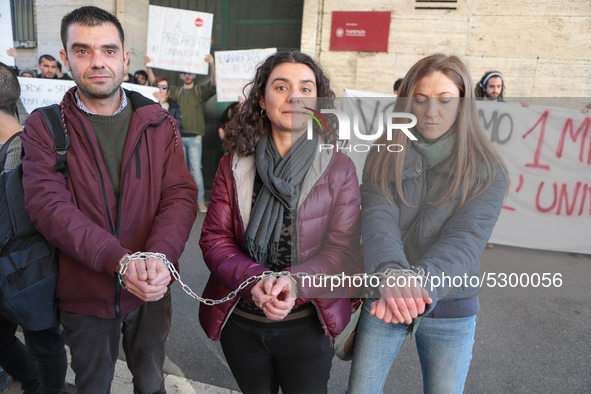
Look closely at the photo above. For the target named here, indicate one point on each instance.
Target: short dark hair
(10, 90)
(397, 84)
(141, 72)
(46, 57)
(89, 16)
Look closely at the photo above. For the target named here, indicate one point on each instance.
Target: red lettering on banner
(584, 130)
(520, 183)
(562, 198)
(538, 206)
(536, 163)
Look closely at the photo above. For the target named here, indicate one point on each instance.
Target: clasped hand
(147, 279)
(273, 296)
(400, 304)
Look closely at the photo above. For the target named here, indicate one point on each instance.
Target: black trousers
(94, 347)
(40, 365)
(295, 358)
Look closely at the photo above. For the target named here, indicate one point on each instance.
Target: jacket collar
(244, 171)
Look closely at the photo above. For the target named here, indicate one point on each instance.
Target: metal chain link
(419, 272)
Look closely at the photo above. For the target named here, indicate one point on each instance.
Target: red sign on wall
(360, 31)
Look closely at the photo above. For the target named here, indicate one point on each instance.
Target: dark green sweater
(111, 133)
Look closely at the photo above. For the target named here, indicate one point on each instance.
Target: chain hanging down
(175, 274)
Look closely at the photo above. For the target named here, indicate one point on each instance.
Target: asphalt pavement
(528, 340)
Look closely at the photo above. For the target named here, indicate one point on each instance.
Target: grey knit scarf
(281, 178)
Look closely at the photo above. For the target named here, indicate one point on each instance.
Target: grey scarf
(281, 177)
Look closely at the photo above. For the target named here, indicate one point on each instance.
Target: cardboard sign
(5, 33)
(360, 31)
(234, 69)
(40, 92)
(179, 40)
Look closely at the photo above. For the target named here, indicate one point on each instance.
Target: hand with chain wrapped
(145, 275)
(273, 295)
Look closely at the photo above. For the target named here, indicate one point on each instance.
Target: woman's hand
(400, 304)
(273, 296)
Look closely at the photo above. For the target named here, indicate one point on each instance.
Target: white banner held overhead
(179, 40)
(6, 41)
(234, 69)
(40, 92)
(548, 154)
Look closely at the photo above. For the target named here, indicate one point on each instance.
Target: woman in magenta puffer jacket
(280, 203)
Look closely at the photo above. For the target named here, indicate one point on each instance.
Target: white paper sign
(234, 69)
(5, 33)
(547, 151)
(179, 40)
(40, 92)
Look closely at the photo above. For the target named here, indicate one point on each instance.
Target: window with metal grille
(23, 23)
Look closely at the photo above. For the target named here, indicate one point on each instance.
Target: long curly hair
(480, 90)
(247, 126)
(475, 163)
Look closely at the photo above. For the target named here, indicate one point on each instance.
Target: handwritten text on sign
(40, 92)
(5, 33)
(234, 69)
(179, 40)
(548, 154)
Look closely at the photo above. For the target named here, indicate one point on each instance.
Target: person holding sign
(191, 99)
(430, 208)
(128, 190)
(280, 204)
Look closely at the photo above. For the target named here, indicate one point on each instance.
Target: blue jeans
(193, 147)
(444, 347)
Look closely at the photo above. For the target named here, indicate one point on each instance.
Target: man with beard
(191, 99)
(491, 87)
(128, 190)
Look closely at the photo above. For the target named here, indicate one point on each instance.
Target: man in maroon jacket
(128, 191)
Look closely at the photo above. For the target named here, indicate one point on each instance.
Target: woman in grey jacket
(430, 208)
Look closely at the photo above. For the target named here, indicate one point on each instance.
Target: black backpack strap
(4, 150)
(53, 119)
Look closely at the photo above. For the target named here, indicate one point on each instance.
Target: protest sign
(547, 151)
(179, 40)
(40, 92)
(5, 33)
(234, 69)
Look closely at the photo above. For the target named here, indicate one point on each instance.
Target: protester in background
(430, 208)
(48, 66)
(227, 115)
(28, 73)
(40, 365)
(397, 86)
(128, 190)
(60, 75)
(163, 97)
(491, 87)
(142, 78)
(191, 99)
(257, 216)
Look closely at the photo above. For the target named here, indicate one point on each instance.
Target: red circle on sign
(198, 22)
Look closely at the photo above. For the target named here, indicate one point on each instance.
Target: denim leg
(445, 351)
(376, 347)
(193, 148)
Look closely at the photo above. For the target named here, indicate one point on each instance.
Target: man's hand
(209, 59)
(147, 60)
(400, 304)
(148, 280)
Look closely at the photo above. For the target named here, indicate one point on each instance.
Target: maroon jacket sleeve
(224, 257)
(51, 206)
